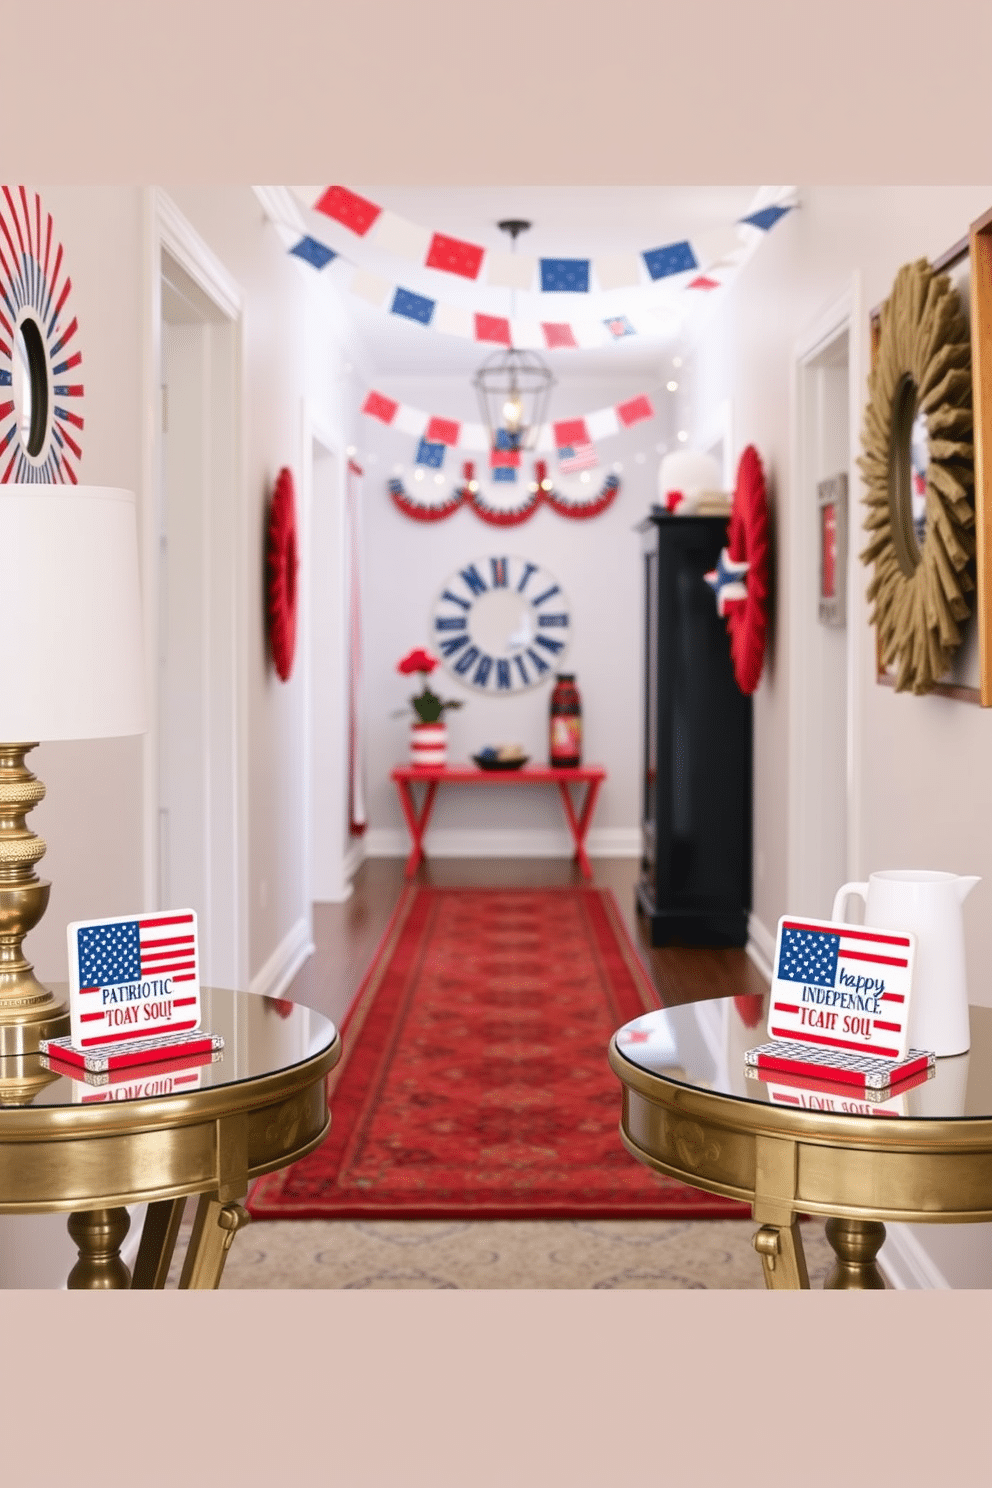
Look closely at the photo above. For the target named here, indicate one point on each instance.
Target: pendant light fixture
(513, 386)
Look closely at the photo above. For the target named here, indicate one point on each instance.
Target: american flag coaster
(861, 1071)
(839, 986)
(130, 1052)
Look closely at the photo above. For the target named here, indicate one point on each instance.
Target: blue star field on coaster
(727, 581)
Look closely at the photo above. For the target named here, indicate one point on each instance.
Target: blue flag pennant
(568, 274)
(431, 455)
(413, 306)
(504, 473)
(767, 217)
(673, 258)
(314, 253)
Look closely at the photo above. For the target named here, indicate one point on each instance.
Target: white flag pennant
(618, 270)
(510, 270)
(392, 234)
(371, 288)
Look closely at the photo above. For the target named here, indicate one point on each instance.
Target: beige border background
(494, 1390)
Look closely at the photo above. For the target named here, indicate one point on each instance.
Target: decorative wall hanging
(39, 421)
(919, 390)
(282, 563)
(747, 541)
(980, 252)
(502, 625)
(538, 492)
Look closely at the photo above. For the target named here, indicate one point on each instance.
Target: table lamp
(71, 667)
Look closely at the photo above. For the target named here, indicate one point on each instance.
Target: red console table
(406, 776)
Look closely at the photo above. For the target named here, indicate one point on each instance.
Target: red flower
(417, 661)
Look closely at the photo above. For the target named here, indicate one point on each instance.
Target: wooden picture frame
(977, 249)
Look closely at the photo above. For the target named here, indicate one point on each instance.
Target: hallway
(444, 1255)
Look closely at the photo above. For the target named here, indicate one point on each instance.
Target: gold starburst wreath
(918, 593)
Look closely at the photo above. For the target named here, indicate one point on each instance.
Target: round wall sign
(501, 624)
(40, 422)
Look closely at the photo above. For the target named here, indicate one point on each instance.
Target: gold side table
(787, 1150)
(92, 1149)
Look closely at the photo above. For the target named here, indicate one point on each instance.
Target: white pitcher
(928, 904)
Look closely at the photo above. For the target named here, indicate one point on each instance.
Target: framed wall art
(831, 496)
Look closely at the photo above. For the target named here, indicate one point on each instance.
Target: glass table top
(262, 1035)
(702, 1045)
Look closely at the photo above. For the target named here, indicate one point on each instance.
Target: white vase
(428, 743)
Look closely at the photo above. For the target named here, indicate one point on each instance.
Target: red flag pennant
(508, 458)
(492, 328)
(454, 256)
(350, 210)
(571, 431)
(557, 334)
(378, 406)
(635, 410)
(703, 281)
(442, 431)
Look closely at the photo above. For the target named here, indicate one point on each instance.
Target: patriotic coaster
(136, 1082)
(841, 986)
(133, 977)
(861, 1071)
(128, 1052)
(829, 1095)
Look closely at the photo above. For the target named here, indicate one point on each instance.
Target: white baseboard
(906, 1265)
(760, 946)
(272, 979)
(602, 842)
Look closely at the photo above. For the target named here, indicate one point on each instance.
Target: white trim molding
(296, 946)
(760, 946)
(602, 842)
(905, 1263)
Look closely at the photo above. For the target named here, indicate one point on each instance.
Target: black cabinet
(695, 882)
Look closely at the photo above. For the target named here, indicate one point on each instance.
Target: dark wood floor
(346, 935)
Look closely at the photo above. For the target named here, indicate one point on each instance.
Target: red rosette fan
(282, 564)
(747, 541)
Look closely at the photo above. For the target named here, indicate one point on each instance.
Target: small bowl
(491, 762)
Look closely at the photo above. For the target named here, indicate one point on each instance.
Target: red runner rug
(474, 1082)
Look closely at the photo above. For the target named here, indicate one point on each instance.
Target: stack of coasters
(875, 1077)
(839, 1009)
(134, 994)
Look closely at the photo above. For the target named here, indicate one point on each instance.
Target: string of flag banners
(669, 262)
(436, 433)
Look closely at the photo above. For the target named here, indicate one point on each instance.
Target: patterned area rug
(474, 1082)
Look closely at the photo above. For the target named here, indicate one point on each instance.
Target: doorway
(821, 753)
(197, 771)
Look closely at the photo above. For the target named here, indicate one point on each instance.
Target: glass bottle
(565, 724)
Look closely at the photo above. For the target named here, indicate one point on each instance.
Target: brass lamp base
(29, 1012)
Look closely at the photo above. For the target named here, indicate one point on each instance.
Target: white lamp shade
(690, 473)
(71, 648)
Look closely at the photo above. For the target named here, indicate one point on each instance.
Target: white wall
(920, 765)
(598, 564)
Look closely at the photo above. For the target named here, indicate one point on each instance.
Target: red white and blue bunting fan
(40, 423)
(538, 492)
(740, 579)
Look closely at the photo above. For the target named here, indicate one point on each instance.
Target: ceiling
(566, 222)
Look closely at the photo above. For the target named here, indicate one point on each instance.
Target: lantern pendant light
(513, 386)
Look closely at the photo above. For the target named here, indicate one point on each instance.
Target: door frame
(166, 230)
(843, 316)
